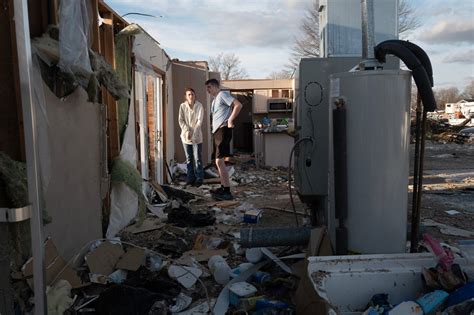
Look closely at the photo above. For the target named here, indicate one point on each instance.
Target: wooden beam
(95, 26)
(16, 81)
(54, 11)
(108, 51)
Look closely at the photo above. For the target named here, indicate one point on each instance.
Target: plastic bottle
(240, 269)
(254, 255)
(261, 277)
(219, 269)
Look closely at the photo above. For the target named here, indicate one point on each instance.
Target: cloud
(443, 32)
(466, 57)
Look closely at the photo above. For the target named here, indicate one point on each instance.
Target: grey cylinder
(378, 123)
(263, 237)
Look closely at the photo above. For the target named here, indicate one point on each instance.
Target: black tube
(420, 181)
(419, 73)
(419, 53)
(340, 162)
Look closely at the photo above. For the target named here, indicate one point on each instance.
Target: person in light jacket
(191, 114)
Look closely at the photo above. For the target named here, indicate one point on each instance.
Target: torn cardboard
(149, 224)
(132, 259)
(307, 301)
(103, 259)
(54, 265)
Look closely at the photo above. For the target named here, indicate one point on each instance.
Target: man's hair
(189, 90)
(212, 82)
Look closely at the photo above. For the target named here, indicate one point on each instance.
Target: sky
(262, 32)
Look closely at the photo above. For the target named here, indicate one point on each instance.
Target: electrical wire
(320, 97)
(289, 173)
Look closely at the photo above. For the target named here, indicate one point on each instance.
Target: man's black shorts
(222, 139)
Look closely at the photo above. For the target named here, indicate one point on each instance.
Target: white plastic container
(254, 255)
(219, 269)
(349, 282)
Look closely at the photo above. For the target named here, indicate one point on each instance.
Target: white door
(159, 162)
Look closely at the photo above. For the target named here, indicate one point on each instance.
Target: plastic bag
(74, 41)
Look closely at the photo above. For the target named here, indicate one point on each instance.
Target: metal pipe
(25, 65)
(368, 38)
(262, 237)
(414, 246)
(414, 210)
(340, 175)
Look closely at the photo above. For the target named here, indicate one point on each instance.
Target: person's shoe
(198, 183)
(223, 196)
(190, 182)
(219, 190)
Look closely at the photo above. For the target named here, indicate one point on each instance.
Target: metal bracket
(11, 215)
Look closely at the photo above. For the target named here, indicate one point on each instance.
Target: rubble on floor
(187, 257)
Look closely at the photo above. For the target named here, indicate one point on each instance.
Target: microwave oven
(279, 105)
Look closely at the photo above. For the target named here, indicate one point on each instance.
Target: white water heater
(377, 106)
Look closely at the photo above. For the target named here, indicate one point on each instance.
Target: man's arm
(236, 107)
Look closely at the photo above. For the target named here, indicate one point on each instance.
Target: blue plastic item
(260, 277)
(263, 304)
(430, 302)
(462, 294)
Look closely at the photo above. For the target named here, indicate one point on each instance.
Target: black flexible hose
(419, 73)
(419, 53)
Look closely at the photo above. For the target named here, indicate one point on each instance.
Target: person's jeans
(195, 171)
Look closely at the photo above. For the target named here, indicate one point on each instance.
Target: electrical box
(312, 119)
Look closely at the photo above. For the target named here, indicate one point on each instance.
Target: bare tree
(229, 66)
(307, 43)
(447, 95)
(408, 19)
(468, 92)
(279, 75)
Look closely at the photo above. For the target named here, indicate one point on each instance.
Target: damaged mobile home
(96, 219)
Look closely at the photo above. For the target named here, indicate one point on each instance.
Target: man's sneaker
(223, 196)
(197, 183)
(217, 191)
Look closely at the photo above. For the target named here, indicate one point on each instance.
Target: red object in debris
(444, 255)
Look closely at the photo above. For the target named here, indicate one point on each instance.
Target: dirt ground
(448, 184)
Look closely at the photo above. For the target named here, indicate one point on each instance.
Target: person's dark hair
(189, 90)
(212, 82)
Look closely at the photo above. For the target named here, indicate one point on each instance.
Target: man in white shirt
(224, 110)
(191, 114)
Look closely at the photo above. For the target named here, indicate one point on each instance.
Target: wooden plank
(54, 11)
(95, 26)
(108, 51)
(16, 86)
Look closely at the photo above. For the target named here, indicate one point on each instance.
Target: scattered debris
(448, 230)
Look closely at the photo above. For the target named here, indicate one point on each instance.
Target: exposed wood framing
(151, 125)
(108, 51)
(95, 28)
